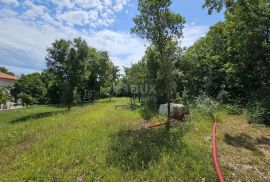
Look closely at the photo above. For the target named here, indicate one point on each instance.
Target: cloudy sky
(28, 27)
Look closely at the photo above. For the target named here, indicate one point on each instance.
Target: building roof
(8, 77)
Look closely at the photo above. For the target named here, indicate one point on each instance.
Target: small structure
(7, 81)
(88, 96)
(177, 110)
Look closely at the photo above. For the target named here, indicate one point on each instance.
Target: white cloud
(10, 2)
(19, 70)
(7, 13)
(74, 17)
(122, 47)
(192, 33)
(89, 12)
(88, 4)
(119, 5)
(32, 40)
(63, 4)
(26, 35)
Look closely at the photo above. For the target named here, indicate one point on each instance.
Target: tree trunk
(168, 89)
(139, 93)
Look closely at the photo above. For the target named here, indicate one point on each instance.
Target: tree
(32, 86)
(135, 76)
(5, 70)
(259, 7)
(67, 60)
(160, 26)
(231, 63)
(4, 96)
(26, 99)
(53, 87)
(114, 76)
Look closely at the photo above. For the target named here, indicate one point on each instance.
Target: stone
(177, 110)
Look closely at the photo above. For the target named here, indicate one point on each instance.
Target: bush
(233, 109)
(26, 99)
(147, 113)
(260, 113)
(4, 96)
(259, 107)
(184, 99)
(151, 103)
(206, 104)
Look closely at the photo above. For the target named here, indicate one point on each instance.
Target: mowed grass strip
(100, 142)
(244, 149)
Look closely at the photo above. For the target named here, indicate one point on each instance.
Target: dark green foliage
(26, 99)
(74, 68)
(147, 113)
(259, 7)
(231, 62)
(259, 106)
(67, 61)
(30, 86)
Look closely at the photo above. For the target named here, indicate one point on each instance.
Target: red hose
(214, 151)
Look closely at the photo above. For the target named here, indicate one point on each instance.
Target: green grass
(101, 143)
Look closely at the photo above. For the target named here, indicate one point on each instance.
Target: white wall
(6, 83)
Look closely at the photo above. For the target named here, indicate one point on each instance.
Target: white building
(7, 81)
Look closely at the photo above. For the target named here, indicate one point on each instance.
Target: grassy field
(100, 142)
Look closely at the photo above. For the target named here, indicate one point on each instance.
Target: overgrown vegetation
(230, 64)
(4, 96)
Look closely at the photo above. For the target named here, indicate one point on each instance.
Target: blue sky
(28, 27)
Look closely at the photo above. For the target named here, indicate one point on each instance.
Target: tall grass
(101, 142)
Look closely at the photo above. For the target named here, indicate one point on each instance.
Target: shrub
(260, 113)
(233, 109)
(4, 96)
(147, 113)
(184, 99)
(206, 104)
(259, 107)
(26, 99)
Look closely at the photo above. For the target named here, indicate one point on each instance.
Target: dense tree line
(72, 68)
(231, 63)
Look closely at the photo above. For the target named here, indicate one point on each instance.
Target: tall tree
(114, 76)
(159, 25)
(31, 87)
(68, 60)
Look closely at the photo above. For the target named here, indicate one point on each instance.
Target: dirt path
(244, 150)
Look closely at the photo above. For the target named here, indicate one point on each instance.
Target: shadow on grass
(36, 116)
(263, 140)
(137, 149)
(245, 141)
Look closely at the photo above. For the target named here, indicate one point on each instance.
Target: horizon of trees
(72, 68)
(230, 64)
